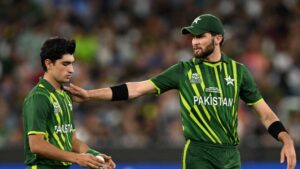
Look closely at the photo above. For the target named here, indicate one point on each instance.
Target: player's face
(203, 45)
(62, 69)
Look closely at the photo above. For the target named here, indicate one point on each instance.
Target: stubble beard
(207, 51)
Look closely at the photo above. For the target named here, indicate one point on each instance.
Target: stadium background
(129, 40)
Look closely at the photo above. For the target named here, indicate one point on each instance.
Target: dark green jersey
(48, 112)
(209, 97)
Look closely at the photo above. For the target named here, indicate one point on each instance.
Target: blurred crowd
(130, 40)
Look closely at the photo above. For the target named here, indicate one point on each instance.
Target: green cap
(204, 23)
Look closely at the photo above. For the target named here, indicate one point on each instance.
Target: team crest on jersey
(56, 107)
(229, 81)
(195, 78)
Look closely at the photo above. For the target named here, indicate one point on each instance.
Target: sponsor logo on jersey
(71, 107)
(56, 107)
(212, 90)
(213, 101)
(195, 78)
(65, 128)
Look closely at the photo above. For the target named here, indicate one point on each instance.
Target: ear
(48, 64)
(218, 39)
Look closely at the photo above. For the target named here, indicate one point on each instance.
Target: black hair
(54, 48)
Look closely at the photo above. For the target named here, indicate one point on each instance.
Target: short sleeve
(36, 109)
(249, 92)
(167, 80)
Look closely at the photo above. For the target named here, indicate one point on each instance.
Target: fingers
(93, 166)
(291, 162)
(90, 161)
(290, 158)
(282, 156)
(112, 165)
(74, 87)
(70, 89)
(106, 157)
(95, 163)
(67, 88)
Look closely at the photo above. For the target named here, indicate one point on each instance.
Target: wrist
(285, 138)
(73, 158)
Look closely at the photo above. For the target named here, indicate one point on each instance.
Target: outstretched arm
(134, 89)
(269, 120)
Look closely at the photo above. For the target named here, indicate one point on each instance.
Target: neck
(214, 57)
(52, 81)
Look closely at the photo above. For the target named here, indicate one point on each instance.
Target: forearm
(50, 151)
(79, 147)
(266, 115)
(100, 94)
(134, 89)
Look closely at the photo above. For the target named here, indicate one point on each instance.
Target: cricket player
(50, 140)
(209, 85)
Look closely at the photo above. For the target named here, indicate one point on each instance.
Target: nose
(195, 41)
(71, 68)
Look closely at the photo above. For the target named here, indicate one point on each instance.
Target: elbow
(35, 148)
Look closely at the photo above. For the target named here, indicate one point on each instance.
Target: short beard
(207, 51)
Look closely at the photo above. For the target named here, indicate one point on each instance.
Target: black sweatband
(119, 92)
(275, 128)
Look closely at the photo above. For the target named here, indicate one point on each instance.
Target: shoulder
(37, 94)
(239, 65)
(184, 64)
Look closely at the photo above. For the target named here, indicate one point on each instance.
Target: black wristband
(119, 92)
(275, 128)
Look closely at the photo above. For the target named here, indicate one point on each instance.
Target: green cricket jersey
(209, 97)
(48, 112)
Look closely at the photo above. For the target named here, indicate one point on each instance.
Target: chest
(61, 115)
(214, 80)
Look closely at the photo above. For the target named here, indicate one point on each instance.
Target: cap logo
(196, 20)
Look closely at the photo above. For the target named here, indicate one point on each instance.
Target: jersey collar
(47, 85)
(224, 58)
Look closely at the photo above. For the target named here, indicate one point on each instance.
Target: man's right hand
(89, 161)
(78, 94)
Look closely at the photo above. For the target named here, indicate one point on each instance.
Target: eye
(198, 36)
(66, 63)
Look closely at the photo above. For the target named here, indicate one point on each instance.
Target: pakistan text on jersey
(65, 128)
(214, 101)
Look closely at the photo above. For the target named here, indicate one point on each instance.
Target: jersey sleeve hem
(154, 85)
(36, 132)
(254, 103)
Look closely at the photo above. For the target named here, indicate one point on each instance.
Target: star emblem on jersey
(229, 81)
(196, 20)
(195, 78)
